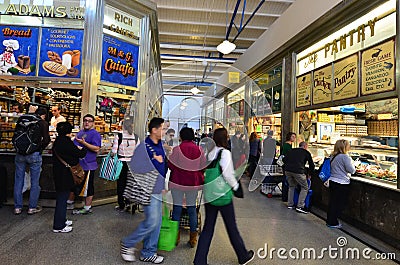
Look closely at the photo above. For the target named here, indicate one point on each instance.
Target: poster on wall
(345, 78)
(19, 50)
(378, 69)
(60, 53)
(277, 98)
(322, 91)
(119, 62)
(303, 90)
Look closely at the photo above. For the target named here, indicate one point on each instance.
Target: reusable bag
(168, 233)
(111, 167)
(216, 191)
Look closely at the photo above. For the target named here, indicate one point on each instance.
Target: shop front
(345, 88)
(82, 56)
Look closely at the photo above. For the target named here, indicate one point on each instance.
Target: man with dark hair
(148, 230)
(89, 139)
(17, 108)
(169, 135)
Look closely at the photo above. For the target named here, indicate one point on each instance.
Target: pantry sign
(119, 62)
(322, 91)
(378, 69)
(345, 78)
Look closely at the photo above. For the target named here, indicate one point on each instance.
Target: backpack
(27, 137)
(216, 191)
(325, 169)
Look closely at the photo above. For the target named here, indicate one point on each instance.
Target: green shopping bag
(168, 233)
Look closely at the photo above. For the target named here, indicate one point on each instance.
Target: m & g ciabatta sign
(54, 11)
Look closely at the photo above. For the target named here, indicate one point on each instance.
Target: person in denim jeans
(34, 162)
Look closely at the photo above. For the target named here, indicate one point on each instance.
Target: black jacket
(44, 130)
(296, 159)
(70, 153)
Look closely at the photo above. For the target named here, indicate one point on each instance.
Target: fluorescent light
(195, 90)
(226, 47)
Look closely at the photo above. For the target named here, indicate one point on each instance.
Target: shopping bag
(111, 167)
(83, 192)
(27, 182)
(168, 233)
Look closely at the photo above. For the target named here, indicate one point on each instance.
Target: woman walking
(186, 163)
(244, 256)
(339, 182)
(65, 149)
(254, 154)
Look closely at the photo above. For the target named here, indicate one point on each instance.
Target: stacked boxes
(383, 128)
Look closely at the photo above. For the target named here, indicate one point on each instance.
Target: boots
(193, 239)
(178, 238)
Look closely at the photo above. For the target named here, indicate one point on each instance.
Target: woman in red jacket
(186, 163)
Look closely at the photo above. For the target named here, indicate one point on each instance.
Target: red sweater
(187, 162)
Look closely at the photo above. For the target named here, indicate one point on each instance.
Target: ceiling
(190, 30)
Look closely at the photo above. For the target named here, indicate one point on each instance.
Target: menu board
(378, 69)
(303, 90)
(19, 50)
(345, 78)
(277, 97)
(119, 62)
(60, 53)
(322, 85)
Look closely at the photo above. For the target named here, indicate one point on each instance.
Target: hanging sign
(346, 78)
(19, 50)
(303, 90)
(234, 77)
(322, 90)
(60, 53)
(378, 69)
(119, 62)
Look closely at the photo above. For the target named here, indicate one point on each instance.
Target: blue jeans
(177, 196)
(149, 229)
(60, 213)
(34, 161)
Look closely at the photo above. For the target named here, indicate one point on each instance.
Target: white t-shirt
(55, 120)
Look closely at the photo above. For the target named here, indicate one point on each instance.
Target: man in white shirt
(57, 117)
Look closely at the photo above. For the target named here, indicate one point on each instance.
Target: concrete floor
(95, 239)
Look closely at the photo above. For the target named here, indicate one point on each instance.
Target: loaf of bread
(55, 68)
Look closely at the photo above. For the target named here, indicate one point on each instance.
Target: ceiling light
(226, 47)
(182, 107)
(184, 103)
(195, 90)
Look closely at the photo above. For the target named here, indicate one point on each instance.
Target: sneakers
(70, 206)
(338, 226)
(128, 254)
(156, 259)
(31, 211)
(17, 211)
(66, 229)
(250, 257)
(82, 211)
(301, 210)
(290, 207)
(68, 223)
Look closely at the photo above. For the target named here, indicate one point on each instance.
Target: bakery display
(55, 68)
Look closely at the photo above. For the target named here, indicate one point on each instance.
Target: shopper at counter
(34, 161)
(89, 139)
(287, 145)
(254, 154)
(341, 168)
(57, 117)
(64, 148)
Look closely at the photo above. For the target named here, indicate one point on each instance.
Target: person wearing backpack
(223, 204)
(124, 145)
(31, 136)
(339, 182)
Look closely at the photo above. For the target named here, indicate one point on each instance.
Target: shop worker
(89, 139)
(148, 230)
(57, 117)
(29, 154)
(295, 170)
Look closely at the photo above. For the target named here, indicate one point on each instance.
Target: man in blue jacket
(148, 230)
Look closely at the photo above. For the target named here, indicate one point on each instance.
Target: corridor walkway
(95, 239)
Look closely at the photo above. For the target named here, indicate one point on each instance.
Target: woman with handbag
(65, 149)
(186, 164)
(223, 204)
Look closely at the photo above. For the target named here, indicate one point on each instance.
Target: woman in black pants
(65, 149)
(244, 256)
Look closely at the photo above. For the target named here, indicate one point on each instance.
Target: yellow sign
(303, 90)
(377, 69)
(234, 77)
(345, 78)
(322, 90)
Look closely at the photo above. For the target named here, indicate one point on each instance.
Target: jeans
(60, 213)
(338, 195)
(228, 215)
(149, 229)
(191, 196)
(294, 179)
(34, 161)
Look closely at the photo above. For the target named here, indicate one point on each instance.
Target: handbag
(216, 191)
(168, 232)
(111, 167)
(78, 174)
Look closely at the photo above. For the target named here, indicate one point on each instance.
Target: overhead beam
(188, 63)
(193, 47)
(168, 33)
(197, 58)
(204, 23)
(192, 69)
(188, 77)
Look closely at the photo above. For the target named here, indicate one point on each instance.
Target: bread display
(54, 68)
(53, 56)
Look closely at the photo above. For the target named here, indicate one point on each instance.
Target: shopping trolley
(184, 221)
(273, 175)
